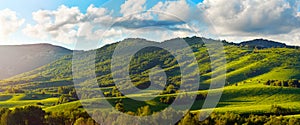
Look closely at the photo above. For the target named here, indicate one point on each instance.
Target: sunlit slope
(242, 63)
(266, 64)
(246, 98)
(17, 100)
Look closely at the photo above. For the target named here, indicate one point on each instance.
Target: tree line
(283, 83)
(33, 115)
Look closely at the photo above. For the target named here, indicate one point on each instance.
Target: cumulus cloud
(9, 22)
(163, 14)
(172, 10)
(66, 24)
(100, 16)
(58, 24)
(252, 16)
(233, 20)
(132, 6)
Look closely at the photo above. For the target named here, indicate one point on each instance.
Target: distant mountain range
(16, 59)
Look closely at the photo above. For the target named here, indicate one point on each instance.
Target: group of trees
(68, 94)
(168, 99)
(65, 90)
(29, 115)
(32, 115)
(14, 89)
(114, 92)
(232, 119)
(278, 110)
(284, 83)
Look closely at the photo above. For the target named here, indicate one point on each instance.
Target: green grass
(254, 109)
(66, 106)
(17, 97)
(280, 74)
(11, 104)
(257, 98)
(21, 96)
(5, 97)
(248, 97)
(243, 67)
(22, 99)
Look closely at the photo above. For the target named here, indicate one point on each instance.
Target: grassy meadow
(260, 82)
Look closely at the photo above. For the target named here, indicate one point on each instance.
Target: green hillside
(243, 63)
(257, 80)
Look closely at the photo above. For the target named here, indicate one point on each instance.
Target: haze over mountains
(16, 59)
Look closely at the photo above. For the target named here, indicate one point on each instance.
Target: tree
(43, 92)
(255, 50)
(34, 115)
(64, 99)
(167, 99)
(291, 83)
(80, 121)
(6, 118)
(188, 119)
(73, 94)
(29, 115)
(144, 111)
(120, 107)
(268, 82)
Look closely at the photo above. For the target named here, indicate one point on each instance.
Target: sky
(69, 22)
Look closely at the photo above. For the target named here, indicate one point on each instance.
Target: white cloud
(65, 16)
(66, 24)
(100, 16)
(69, 25)
(59, 24)
(132, 6)
(292, 38)
(233, 20)
(9, 22)
(172, 10)
(252, 16)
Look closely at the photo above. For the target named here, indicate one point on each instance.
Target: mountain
(262, 43)
(16, 59)
(242, 63)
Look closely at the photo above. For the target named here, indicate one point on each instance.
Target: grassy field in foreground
(247, 98)
(250, 96)
(18, 100)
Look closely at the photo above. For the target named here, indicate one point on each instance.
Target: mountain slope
(16, 59)
(243, 63)
(262, 43)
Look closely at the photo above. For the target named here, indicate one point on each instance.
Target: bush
(278, 110)
(284, 83)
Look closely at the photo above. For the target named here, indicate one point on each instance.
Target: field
(258, 82)
(249, 97)
(17, 100)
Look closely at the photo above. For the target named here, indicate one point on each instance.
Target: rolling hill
(243, 63)
(249, 67)
(17, 59)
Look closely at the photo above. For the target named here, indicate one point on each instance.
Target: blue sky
(232, 21)
(26, 7)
